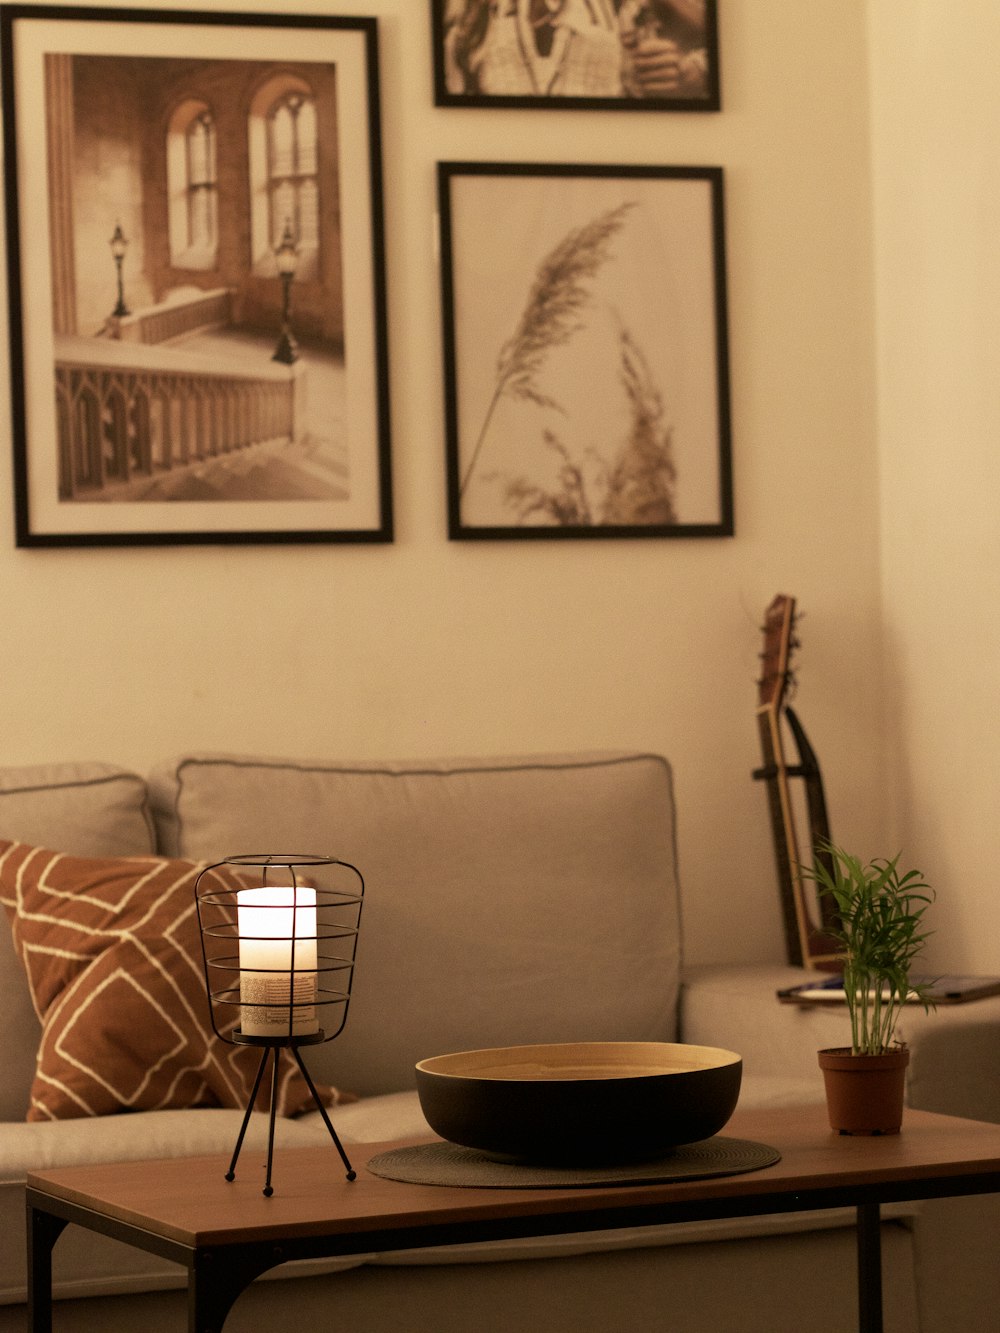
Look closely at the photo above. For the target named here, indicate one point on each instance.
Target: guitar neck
(786, 852)
(805, 945)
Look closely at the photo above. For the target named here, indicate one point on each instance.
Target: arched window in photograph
(192, 182)
(284, 173)
(293, 167)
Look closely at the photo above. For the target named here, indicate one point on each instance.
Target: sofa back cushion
(88, 809)
(507, 900)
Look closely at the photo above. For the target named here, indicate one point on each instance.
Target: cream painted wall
(936, 119)
(428, 647)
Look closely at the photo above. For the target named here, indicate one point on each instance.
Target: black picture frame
(645, 55)
(586, 363)
(175, 160)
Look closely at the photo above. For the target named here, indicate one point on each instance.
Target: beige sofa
(508, 900)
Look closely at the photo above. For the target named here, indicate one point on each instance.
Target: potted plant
(879, 932)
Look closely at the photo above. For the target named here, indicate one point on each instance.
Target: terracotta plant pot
(864, 1093)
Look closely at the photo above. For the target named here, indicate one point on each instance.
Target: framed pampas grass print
(585, 351)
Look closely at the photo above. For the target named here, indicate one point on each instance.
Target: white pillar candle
(270, 921)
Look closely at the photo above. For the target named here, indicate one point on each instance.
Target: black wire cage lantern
(279, 957)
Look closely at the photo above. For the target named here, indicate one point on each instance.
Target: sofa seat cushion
(508, 901)
(112, 952)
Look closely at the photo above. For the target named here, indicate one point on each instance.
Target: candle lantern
(279, 959)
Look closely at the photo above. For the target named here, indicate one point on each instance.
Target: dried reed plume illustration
(551, 316)
(642, 481)
(637, 488)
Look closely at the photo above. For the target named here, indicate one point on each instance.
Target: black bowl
(580, 1102)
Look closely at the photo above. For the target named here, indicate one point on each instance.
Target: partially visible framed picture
(621, 55)
(586, 351)
(195, 265)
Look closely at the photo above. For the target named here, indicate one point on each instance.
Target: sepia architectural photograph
(199, 325)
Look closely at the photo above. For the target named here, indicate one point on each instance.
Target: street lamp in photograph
(287, 258)
(119, 245)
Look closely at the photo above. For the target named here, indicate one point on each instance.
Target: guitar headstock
(776, 659)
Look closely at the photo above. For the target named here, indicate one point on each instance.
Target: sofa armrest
(954, 1058)
(954, 1049)
(736, 1006)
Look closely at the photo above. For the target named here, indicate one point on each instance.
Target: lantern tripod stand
(271, 1051)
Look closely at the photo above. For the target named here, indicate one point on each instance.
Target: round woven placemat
(449, 1164)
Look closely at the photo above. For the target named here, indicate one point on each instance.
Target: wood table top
(188, 1201)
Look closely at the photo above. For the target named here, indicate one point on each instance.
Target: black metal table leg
(216, 1280)
(43, 1232)
(869, 1268)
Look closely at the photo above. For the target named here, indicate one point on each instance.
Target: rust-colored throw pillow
(112, 952)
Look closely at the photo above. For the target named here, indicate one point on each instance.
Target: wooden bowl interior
(579, 1060)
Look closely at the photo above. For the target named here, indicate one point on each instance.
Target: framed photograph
(196, 281)
(618, 55)
(585, 348)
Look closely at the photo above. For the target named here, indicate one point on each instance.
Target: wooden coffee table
(227, 1234)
